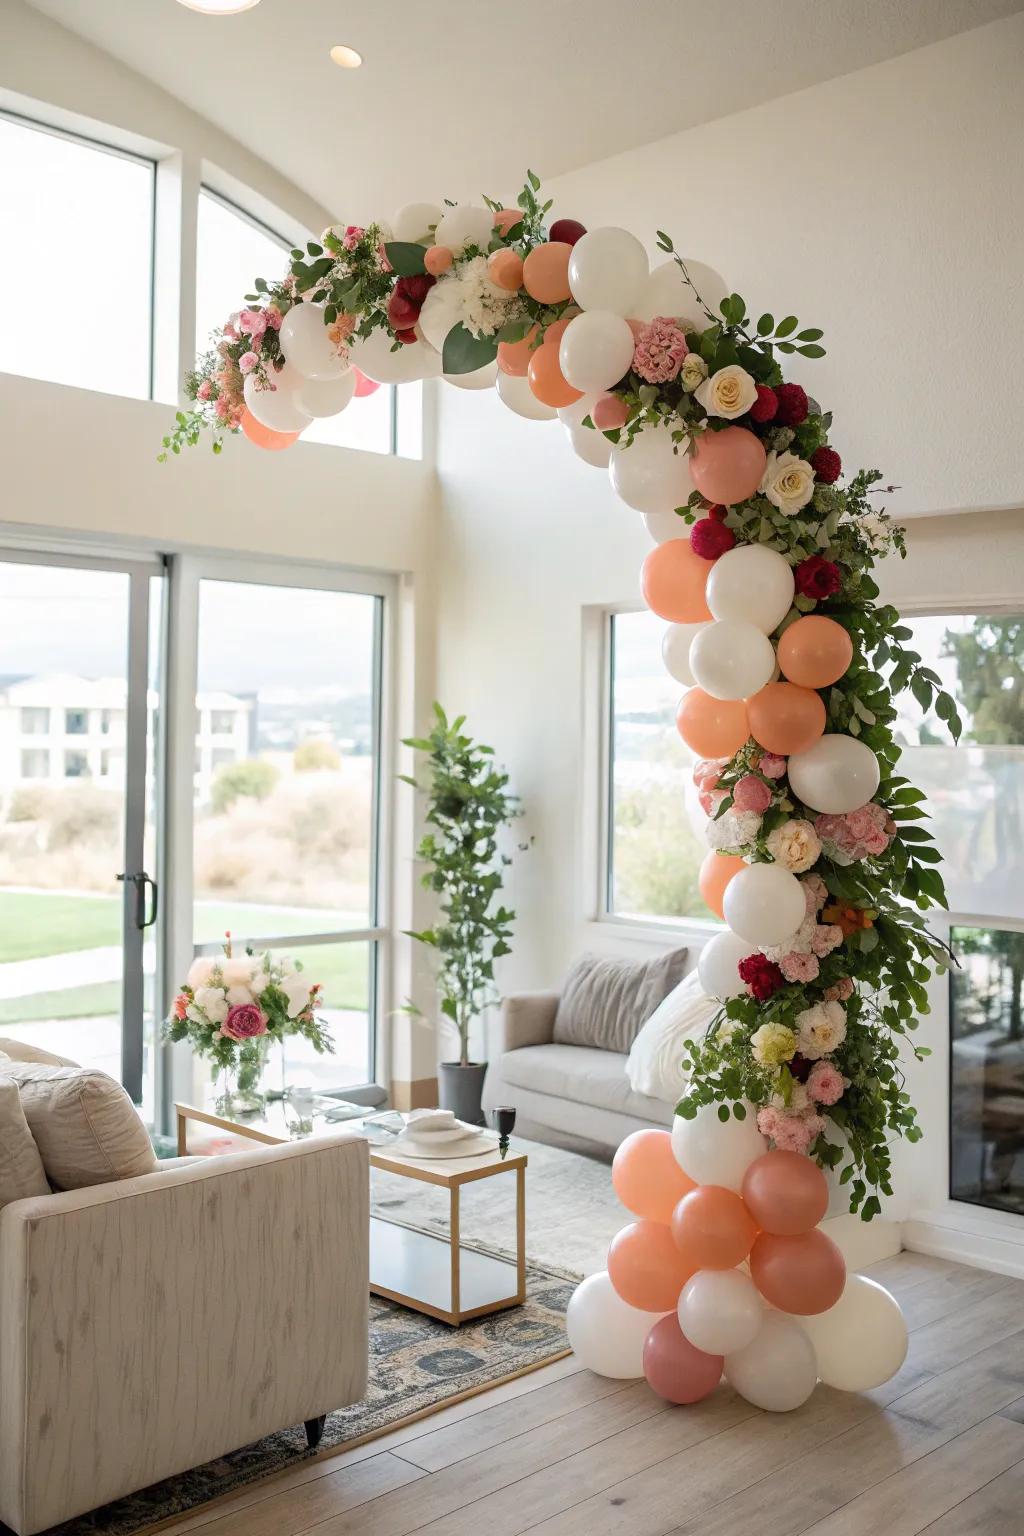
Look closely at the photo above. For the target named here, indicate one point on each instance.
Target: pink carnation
(248, 361)
(793, 1133)
(861, 823)
(799, 967)
(768, 1121)
(825, 1084)
(659, 352)
(825, 938)
(205, 390)
(771, 766)
(274, 317)
(752, 794)
(252, 322)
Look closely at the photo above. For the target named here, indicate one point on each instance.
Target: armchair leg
(315, 1430)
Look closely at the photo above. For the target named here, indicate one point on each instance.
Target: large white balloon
(836, 775)
(464, 225)
(480, 378)
(277, 408)
(663, 526)
(862, 1340)
(519, 397)
(732, 659)
(326, 397)
(777, 1371)
(751, 583)
(413, 221)
(675, 651)
(573, 415)
(720, 1311)
(590, 446)
(607, 270)
(666, 292)
(306, 345)
(650, 475)
(595, 351)
(377, 361)
(714, 1151)
(604, 1331)
(717, 965)
(764, 904)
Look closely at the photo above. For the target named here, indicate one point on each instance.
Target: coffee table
(428, 1273)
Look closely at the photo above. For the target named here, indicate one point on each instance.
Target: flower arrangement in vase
(231, 1008)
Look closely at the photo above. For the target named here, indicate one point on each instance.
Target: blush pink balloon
(675, 1368)
(728, 466)
(804, 1274)
(364, 386)
(609, 413)
(646, 1176)
(646, 1267)
(785, 1193)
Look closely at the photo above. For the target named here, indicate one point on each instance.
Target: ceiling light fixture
(219, 7)
(346, 57)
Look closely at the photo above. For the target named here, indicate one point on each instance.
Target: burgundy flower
(403, 312)
(709, 539)
(800, 1068)
(765, 407)
(717, 513)
(407, 336)
(827, 465)
(245, 1021)
(792, 401)
(415, 288)
(817, 577)
(762, 976)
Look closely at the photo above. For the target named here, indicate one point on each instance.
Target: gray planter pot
(460, 1089)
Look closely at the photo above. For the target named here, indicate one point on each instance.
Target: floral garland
(688, 400)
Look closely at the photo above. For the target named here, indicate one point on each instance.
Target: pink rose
(825, 938)
(840, 992)
(274, 317)
(876, 843)
(248, 361)
(752, 794)
(245, 1021)
(825, 1083)
(352, 236)
(771, 766)
(828, 828)
(799, 967)
(861, 823)
(252, 322)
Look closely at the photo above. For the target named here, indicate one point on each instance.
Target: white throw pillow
(21, 1167)
(655, 1063)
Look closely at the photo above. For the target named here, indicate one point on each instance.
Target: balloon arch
(818, 863)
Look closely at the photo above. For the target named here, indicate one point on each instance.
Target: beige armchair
(150, 1325)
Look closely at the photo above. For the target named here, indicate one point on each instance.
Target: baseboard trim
(980, 1250)
(421, 1093)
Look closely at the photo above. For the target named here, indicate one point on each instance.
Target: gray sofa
(572, 1095)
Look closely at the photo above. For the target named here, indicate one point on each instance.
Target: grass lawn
(45, 923)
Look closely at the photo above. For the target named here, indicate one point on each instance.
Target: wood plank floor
(564, 1453)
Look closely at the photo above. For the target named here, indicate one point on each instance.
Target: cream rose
(213, 1002)
(693, 372)
(795, 845)
(729, 393)
(820, 1030)
(788, 482)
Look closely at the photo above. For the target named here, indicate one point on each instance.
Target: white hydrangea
(736, 829)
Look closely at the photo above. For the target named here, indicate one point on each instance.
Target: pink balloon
(365, 386)
(785, 1193)
(727, 466)
(804, 1274)
(675, 1369)
(646, 1176)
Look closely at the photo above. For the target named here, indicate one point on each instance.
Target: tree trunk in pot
(460, 1089)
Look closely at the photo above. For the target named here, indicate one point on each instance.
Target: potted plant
(468, 806)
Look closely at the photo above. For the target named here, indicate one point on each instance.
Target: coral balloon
(815, 651)
(785, 1193)
(672, 584)
(364, 386)
(505, 270)
(514, 356)
(711, 727)
(712, 1228)
(727, 466)
(803, 1274)
(646, 1176)
(716, 870)
(610, 413)
(548, 381)
(437, 260)
(507, 218)
(785, 718)
(676, 1369)
(646, 1267)
(546, 272)
(263, 437)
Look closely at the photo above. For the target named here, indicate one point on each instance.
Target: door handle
(140, 882)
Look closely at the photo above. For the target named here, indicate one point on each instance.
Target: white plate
(467, 1146)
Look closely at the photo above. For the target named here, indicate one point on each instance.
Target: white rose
(239, 996)
(788, 482)
(693, 372)
(213, 1002)
(874, 530)
(200, 971)
(820, 1030)
(729, 393)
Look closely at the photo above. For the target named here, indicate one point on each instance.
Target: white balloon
(675, 651)
(519, 397)
(663, 526)
(717, 965)
(604, 1331)
(326, 397)
(650, 475)
(732, 659)
(413, 221)
(464, 225)
(720, 1311)
(666, 292)
(595, 351)
(306, 345)
(764, 904)
(590, 445)
(862, 1340)
(377, 361)
(607, 270)
(573, 415)
(713, 1151)
(836, 775)
(277, 408)
(480, 378)
(778, 1370)
(752, 583)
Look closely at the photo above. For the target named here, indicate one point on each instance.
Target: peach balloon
(554, 332)
(546, 272)
(610, 413)
(437, 259)
(785, 1193)
(506, 219)
(712, 727)
(814, 652)
(728, 466)
(676, 1369)
(716, 870)
(803, 1274)
(672, 583)
(514, 356)
(505, 270)
(547, 380)
(784, 718)
(712, 1228)
(646, 1268)
(262, 436)
(646, 1176)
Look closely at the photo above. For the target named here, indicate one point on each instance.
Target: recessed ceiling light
(219, 7)
(347, 57)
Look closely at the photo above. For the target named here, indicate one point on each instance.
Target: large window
(78, 214)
